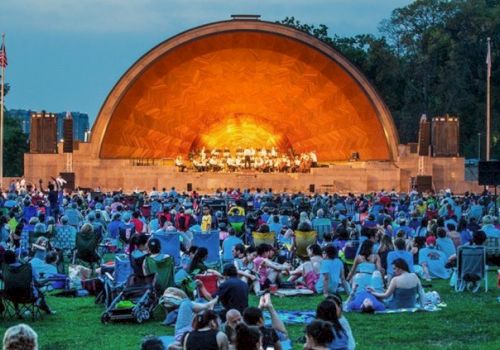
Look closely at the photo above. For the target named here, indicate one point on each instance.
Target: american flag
(3, 56)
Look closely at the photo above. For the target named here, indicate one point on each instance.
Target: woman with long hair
(328, 311)
(248, 337)
(205, 334)
(366, 261)
(197, 267)
(386, 246)
(319, 335)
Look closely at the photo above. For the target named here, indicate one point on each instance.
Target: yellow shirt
(206, 223)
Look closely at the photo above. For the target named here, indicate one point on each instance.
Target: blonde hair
(20, 337)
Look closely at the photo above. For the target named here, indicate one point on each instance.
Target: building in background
(80, 123)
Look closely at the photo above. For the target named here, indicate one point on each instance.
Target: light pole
(478, 146)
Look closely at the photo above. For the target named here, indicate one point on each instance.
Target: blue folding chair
(322, 226)
(171, 245)
(211, 242)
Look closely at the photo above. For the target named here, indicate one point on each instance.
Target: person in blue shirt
(228, 244)
(331, 273)
(489, 228)
(445, 244)
(433, 261)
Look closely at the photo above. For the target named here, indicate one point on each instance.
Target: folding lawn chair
(471, 269)
(303, 239)
(19, 296)
(171, 245)
(264, 237)
(211, 242)
(322, 226)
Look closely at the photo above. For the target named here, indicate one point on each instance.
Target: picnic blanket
(293, 292)
(292, 317)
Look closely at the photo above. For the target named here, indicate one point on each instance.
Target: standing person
(206, 220)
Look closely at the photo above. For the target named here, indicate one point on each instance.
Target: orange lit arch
(249, 81)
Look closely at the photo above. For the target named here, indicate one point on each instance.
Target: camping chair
(211, 242)
(264, 237)
(237, 222)
(302, 240)
(170, 245)
(350, 251)
(163, 270)
(471, 268)
(322, 226)
(87, 244)
(19, 292)
(492, 246)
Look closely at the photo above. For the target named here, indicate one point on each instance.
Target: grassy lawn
(471, 321)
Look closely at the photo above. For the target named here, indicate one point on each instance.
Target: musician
(314, 159)
(259, 162)
(247, 153)
(179, 163)
(214, 164)
(274, 154)
(203, 154)
(263, 153)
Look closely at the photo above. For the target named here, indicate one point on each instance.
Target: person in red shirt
(139, 225)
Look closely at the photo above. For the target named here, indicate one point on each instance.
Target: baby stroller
(135, 302)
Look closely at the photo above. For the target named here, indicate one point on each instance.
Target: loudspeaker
(68, 135)
(189, 187)
(424, 137)
(70, 180)
(445, 136)
(489, 173)
(423, 183)
(312, 188)
(43, 135)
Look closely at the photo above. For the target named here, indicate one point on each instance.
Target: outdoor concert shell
(244, 83)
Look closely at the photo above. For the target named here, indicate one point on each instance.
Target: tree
(430, 59)
(15, 145)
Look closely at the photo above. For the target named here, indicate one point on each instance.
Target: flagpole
(488, 109)
(1, 117)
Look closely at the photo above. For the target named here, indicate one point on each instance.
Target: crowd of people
(380, 249)
(262, 160)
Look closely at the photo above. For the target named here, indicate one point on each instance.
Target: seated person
(445, 243)
(270, 335)
(183, 324)
(228, 244)
(248, 337)
(10, 259)
(400, 252)
(153, 265)
(152, 343)
(198, 267)
(233, 292)
(366, 262)
(308, 271)
(403, 288)
(243, 261)
(43, 263)
(330, 310)
(20, 336)
(433, 261)
(319, 335)
(205, 334)
(331, 272)
(267, 270)
(233, 318)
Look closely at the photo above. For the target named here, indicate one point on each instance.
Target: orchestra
(261, 160)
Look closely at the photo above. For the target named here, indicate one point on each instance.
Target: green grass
(471, 321)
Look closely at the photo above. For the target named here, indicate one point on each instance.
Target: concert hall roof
(244, 83)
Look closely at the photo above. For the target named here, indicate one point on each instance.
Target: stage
(359, 177)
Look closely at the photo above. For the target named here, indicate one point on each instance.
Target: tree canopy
(430, 58)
